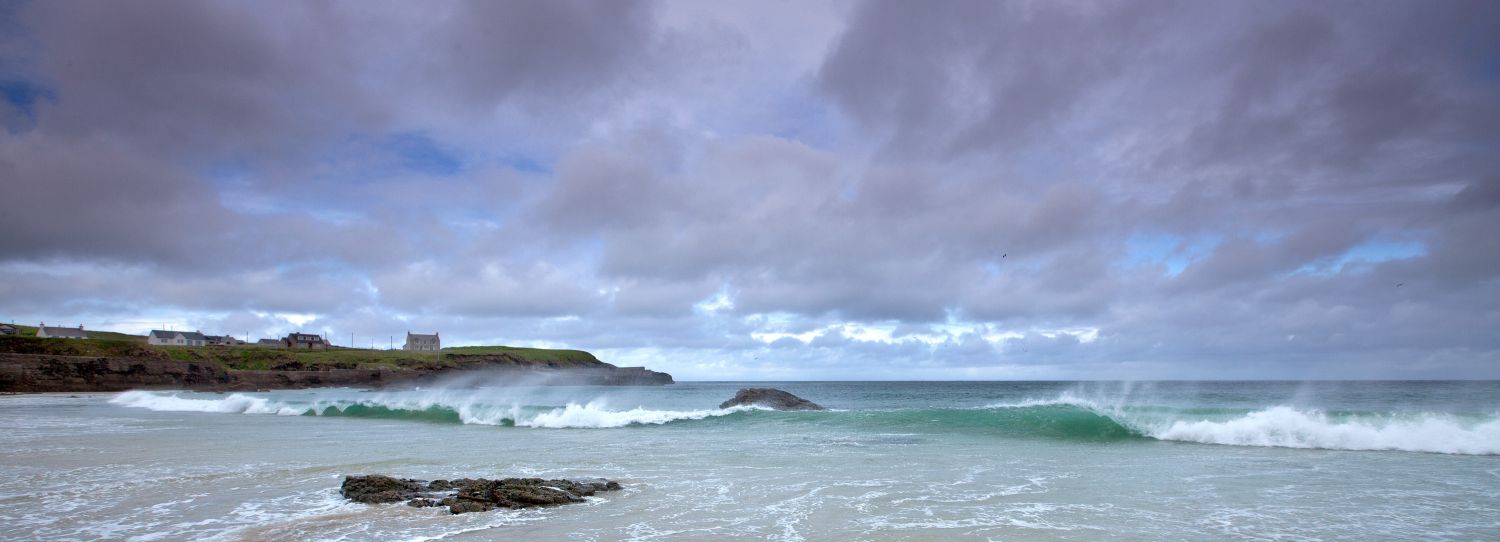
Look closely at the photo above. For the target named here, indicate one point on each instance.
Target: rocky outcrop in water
(770, 398)
(471, 495)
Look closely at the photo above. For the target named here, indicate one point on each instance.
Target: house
(7, 329)
(307, 341)
(223, 340)
(270, 342)
(422, 343)
(44, 332)
(176, 338)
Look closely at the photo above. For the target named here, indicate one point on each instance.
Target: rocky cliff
(54, 373)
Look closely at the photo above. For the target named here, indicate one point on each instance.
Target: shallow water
(893, 461)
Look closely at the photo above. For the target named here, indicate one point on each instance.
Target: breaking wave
(1065, 417)
(428, 409)
(1286, 427)
(1289, 427)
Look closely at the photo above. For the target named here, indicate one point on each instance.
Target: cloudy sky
(773, 190)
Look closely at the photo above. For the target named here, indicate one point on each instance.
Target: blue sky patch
(418, 152)
(23, 97)
(1368, 253)
(1174, 251)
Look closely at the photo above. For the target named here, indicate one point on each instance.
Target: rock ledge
(471, 495)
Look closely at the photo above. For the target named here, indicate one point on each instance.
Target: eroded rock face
(477, 495)
(770, 398)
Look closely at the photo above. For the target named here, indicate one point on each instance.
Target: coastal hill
(109, 361)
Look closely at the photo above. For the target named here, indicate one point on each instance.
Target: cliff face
(52, 373)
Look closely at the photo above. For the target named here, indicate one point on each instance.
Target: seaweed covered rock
(472, 495)
(375, 489)
(770, 398)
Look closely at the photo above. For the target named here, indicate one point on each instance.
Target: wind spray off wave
(431, 407)
(1064, 417)
(1289, 427)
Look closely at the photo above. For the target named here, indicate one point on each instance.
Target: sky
(773, 190)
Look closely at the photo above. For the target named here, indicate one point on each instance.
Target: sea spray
(1283, 426)
(235, 403)
(1289, 427)
(432, 406)
(1066, 416)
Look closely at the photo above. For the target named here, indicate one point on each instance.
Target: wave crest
(1065, 417)
(467, 411)
(1286, 427)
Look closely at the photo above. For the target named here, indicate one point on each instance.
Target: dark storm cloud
(158, 93)
(892, 190)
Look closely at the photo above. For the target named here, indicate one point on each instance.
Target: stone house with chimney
(44, 332)
(422, 343)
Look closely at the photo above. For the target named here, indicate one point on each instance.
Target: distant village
(415, 342)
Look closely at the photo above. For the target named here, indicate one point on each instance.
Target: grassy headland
(251, 357)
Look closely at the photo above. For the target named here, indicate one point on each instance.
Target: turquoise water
(892, 461)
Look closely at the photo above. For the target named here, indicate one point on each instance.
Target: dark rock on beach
(466, 495)
(381, 489)
(771, 398)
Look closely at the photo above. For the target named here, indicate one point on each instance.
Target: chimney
(80, 327)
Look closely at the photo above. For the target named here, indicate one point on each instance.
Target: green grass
(544, 355)
(22, 344)
(260, 358)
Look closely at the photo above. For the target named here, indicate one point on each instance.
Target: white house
(45, 332)
(176, 338)
(423, 343)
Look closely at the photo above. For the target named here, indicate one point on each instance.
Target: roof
(411, 335)
(268, 341)
(64, 332)
(304, 337)
(189, 335)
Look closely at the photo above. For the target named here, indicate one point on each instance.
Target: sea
(889, 461)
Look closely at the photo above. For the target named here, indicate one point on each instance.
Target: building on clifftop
(45, 332)
(305, 341)
(175, 338)
(422, 343)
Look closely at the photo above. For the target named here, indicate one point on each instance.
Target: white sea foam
(1283, 426)
(593, 415)
(1288, 427)
(234, 403)
(471, 409)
